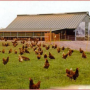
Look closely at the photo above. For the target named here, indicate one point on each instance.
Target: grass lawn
(15, 74)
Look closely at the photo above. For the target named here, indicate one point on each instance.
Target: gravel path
(76, 45)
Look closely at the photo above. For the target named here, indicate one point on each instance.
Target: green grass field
(15, 74)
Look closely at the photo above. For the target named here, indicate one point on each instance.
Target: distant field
(15, 74)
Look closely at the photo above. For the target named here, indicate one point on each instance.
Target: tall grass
(15, 74)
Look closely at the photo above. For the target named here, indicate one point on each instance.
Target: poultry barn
(46, 27)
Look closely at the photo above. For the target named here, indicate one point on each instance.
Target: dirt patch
(76, 45)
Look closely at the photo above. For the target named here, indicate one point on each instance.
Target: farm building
(68, 26)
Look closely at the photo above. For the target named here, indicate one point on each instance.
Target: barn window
(21, 34)
(37, 34)
(13, 34)
(29, 33)
(6, 33)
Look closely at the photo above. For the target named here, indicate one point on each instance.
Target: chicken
(45, 55)
(20, 58)
(10, 51)
(70, 52)
(3, 51)
(81, 51)
(36, 52)
(84, 55)
(41, 52)
(46, 64)
(51, 56)
(5, 61)
(64, 55)
(27, 51)
(63, 48)
(55, 46)
(72, 74)
(47, 47)
(58, 50)
(38, 56)
(34, 86)
(15, 51)
(25, 58)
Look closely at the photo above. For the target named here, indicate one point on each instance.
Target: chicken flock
(37, 48)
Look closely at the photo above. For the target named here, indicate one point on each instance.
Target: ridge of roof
(54, 13)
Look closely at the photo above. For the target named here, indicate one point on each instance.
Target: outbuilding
(68, 26)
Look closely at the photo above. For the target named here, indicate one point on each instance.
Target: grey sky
(10, 9)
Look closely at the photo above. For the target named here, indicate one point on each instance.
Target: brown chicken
(10, 51)
(64, 55)
(36, 52)
(46, 64)
(15, 51)
(25, 58)
(84, 55)
(51, 56)
(70, 52)
(3, 51)
(5, 61)
(26, 51)
(81, 51)
(38, 56)
(34, 86)
(45, 55)
(72, 74)
(63, 48)
(20, 58)
(47, 47)
(58, 50)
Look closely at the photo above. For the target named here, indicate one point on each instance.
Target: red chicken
(46, 64)
(5, 61)
(34, 86)
(72, 74)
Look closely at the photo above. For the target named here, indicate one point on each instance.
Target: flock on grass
(38, 51)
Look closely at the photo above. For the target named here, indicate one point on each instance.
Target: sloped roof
(47, 21)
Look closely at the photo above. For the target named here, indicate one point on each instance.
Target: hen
(81, 51)
(64, 55)
(58, 50)
(84, 55)
(20, 58)
(46, 64)
(5, 61)
(25, 58)
(51, 56)
(38, 56)
(72, 74)
(32, 85)
(45, 55)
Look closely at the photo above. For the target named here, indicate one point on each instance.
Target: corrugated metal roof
(42, 22)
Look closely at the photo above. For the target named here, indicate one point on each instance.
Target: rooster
(72, 74)
(46, 64)
(64, 55)
(51, 56)
(34, 86)
(5, 61)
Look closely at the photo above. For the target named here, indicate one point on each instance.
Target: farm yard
(15, 74)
